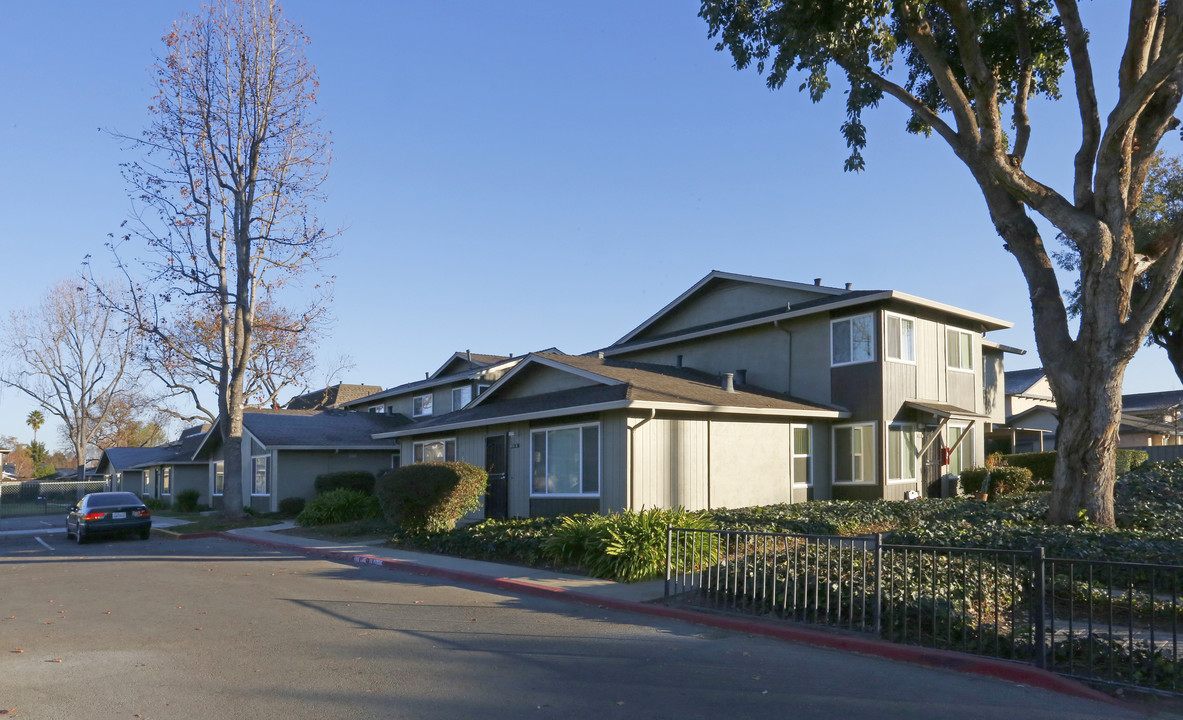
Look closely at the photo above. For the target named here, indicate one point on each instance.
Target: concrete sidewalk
(644, 598)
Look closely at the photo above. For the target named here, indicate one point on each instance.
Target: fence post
(876, 611)
(1039, 606)
(669, 550)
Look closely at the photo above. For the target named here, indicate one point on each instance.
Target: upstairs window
(461, 396)
(852, 340)
(421, 405)
(901, 338)
(959, 349)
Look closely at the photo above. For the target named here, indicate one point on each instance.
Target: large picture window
(435, 451)
(421, 405)
(901, 338)
(959, 349)
(566, 461)
(852, 340)
(962, 457)
(902, 451)
(261, 481)
(854, 453)
(802, 455)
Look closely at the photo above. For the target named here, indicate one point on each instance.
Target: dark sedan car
(108, 512)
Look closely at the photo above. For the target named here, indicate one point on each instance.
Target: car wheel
(80, 535)
(145, 533)
(68, 533)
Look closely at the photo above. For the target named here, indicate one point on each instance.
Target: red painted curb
(957, 662)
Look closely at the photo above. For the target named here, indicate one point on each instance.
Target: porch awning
(942, 410)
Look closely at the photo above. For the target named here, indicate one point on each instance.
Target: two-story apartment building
(741, 391)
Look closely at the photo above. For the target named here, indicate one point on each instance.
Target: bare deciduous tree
(72, 354)
(233, 162)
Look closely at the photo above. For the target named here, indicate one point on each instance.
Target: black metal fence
(44, 497)
(1105, 622)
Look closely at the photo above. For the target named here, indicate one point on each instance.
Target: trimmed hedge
(292, 506)
(431, 497)
(1043, 464)
(339, 506)
(360, 480)
(1004, 480)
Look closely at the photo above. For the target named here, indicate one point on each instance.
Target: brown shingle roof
(331, 396)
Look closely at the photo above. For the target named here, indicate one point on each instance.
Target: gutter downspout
(632, 458)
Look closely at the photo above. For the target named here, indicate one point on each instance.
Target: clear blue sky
(515, 176)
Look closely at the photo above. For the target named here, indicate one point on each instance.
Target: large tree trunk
(232, 491)
(1086, 445)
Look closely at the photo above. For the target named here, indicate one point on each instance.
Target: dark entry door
(930, 479)
(497, 465)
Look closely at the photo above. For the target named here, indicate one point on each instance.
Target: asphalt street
(167, 628)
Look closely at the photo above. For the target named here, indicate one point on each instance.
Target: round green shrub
(291, 506)
(339, 506)
(430, 497)
(972, 479)
(1130, 460)
(359, 480)
(1009, 480)
(186, 501)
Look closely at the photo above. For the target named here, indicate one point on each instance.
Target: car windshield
(112, 500)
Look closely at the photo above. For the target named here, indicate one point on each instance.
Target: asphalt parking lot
(195, 628)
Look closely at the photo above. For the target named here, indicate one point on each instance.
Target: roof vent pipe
(817, 281)
(848, 285)
(728, 382)
(741, 376)
(600, 354)
(468, 353)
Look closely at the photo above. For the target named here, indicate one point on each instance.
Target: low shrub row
(1043, 464)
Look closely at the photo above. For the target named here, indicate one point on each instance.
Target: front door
(497, 465)
(930, 480)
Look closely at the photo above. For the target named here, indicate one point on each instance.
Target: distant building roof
(328, 428)
(332, 396)
(1020, 381)
(1143, 402)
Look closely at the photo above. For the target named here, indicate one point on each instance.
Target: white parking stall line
(47, 545)
(46, 523)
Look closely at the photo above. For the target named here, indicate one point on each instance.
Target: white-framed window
(119, 480)
(903, 449)
(963, 457)
(219, 478)
(482, 387)
(900, 339)
(801, 454)
(959, 349)
(461, 396)
(435, 450)
(378, 409)
(852, 340)
(166, 477)
(565, 461)
(261, 477)
(854, 453)
(421, 405)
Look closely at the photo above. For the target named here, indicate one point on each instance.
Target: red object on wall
(946, 455)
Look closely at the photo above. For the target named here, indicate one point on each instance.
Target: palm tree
(35, 421)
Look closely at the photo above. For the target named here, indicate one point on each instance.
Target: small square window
(421, 405)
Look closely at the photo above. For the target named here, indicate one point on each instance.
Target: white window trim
(970, 369)
(599, 460)
(445, 441)
(482, 387)
(966, 443)
(834, 455)
(851, 319)
(213, 479)
(888, 357)
(916, 456)
(420, 397)
(793, 454)
(166, 481)
(269, 478)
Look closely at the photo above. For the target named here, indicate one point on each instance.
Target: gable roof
(619, 384)
(712, 277)
(433, 380)
(1020, 381)
(476, 360)
(179, 452)
(840, 300)
(331, 396)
